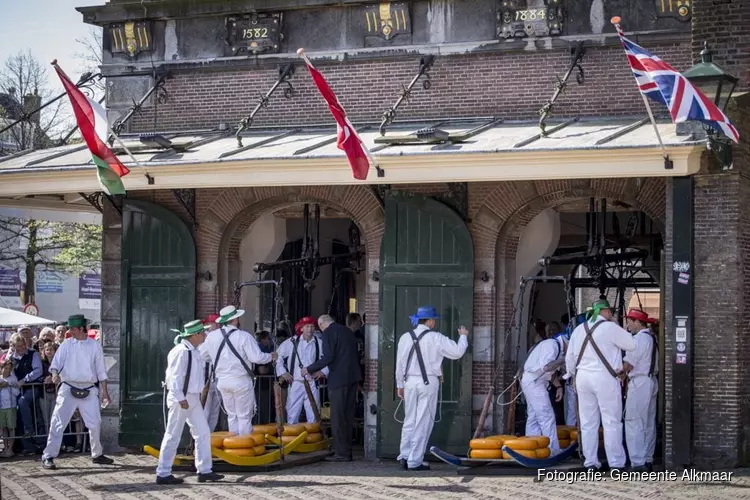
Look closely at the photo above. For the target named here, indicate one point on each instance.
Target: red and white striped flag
(92, 121)
(348, 139)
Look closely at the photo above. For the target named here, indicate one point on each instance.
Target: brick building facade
(473, 76)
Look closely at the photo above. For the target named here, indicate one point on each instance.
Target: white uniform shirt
(434, 346)
(305, 352)
(544, 353)
(611, 340)
(80, 362)
(228, 366)
(9, 393)
(177, 365)
(640, 357)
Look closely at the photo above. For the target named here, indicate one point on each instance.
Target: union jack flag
(662, 83)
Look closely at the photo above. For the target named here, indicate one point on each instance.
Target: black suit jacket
(340, 356)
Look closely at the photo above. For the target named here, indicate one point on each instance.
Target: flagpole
(616, 22)
(373, 161)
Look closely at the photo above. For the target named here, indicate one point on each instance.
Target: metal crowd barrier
(40, 399)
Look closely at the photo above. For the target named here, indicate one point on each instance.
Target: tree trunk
(31, 252)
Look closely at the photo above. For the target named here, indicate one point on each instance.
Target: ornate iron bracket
(115, 200)
(577, 54)
(162, 97)
(425, 65)
(186, 198)
(84, 83)
(457, 198)
(381, 191)
(286, 73)
(95, 200)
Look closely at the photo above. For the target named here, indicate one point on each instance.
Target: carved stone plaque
(131, 38)
(524, 18)
(254, 33)
(387, 20)
(679, 9)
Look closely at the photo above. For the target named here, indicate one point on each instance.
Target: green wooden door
(158, 294)
(427, 258)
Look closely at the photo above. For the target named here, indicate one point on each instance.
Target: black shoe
(404, 464)
(170, 479)
(102, 460)
(592, 468)
(211, 476)
(336, 458)
(49, 464)
(420, 468)
(650, 466)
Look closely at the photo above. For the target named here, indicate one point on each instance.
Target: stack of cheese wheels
(486, 448)
(249, 445)
(217, 438)
(566, 434)
(542, 450)
(525, 446)
(291, 431)
(313, 433)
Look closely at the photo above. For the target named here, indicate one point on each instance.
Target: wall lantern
(718, 86)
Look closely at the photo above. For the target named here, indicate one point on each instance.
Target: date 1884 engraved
(524, 18)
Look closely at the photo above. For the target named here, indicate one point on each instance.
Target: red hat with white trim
(638, 315)
(307, 320)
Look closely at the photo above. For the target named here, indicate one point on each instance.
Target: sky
(49, 28)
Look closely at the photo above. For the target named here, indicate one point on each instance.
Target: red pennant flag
(348, 139)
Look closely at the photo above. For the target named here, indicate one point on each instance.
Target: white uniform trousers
(640, 419)
(65, 406)
(212, 410)
(296, 398)
(540, 417)
(600, 393)
(420, 406)
(238, 397)
(570, 405)
(196, 421)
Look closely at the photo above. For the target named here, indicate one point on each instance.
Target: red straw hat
(638, 315)
(211, 318)
(307, 320)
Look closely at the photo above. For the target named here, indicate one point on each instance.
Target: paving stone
(132, 477)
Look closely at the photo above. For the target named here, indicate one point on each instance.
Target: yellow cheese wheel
(485, 444)
(564, 443)
(542, 441)
(239, 442)
(217, 442)
(287, 439)
(293, 430)
(222, 434)
(486, 454)
(502, 437)
(525, 453)
(265, 429)
(315, 437)
(521, 444)
(241, 452)
(573, 435)
(312, 428)
(542, 453)
(563, 433)
(260, 439)
(259, 450)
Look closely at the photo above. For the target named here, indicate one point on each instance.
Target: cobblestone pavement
(132, 477)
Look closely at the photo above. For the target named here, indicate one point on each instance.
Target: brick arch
(235, 209)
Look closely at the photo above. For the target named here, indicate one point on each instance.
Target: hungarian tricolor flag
(92, 121)
(348, 139)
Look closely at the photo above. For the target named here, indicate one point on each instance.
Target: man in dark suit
(342, 359)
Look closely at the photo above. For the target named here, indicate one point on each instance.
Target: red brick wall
(508, 85)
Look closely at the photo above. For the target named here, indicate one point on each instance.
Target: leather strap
(228, 343)
(420, 359)
(189, 369)
(590, 340)
(295, 343)
(654, 348)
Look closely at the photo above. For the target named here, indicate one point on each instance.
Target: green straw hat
(597, 307)
(228, 314)
(192, 328)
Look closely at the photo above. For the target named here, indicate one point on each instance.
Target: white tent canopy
(9, 317)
